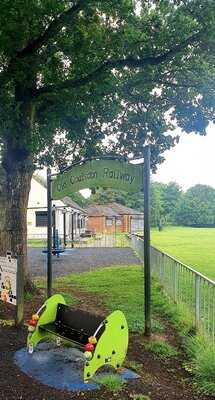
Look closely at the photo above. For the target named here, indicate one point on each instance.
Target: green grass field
(37, 243)
(192, 246)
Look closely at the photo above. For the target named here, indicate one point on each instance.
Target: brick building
(112, 218)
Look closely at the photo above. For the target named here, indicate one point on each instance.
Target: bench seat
(74, 325)
(66, 334)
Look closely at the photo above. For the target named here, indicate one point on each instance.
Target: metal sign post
(147, 266)
(49, 233)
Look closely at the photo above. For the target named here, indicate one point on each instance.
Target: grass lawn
(192, 246)
(120, 288)
(37, 243)
(117, 288)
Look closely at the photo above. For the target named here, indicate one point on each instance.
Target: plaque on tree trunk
(8, 278)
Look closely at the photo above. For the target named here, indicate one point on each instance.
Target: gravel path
(80, 260)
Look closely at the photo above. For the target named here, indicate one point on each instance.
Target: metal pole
(72, 230)
(64, 227)
(54, 226)
(49, 233)
(75, 224)
(197, 302)
(147, 267)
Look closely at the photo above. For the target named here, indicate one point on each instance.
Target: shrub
(202, 363)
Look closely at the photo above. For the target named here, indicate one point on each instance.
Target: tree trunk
(15, 185)
(17, 168)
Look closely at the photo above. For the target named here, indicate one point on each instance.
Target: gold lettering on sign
(111, 174)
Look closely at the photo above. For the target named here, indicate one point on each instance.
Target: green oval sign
(105, 173)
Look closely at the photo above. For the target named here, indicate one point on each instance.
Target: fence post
(162, 268)
(175, 282)
(160, 265)
(152, 260)
(197, 301)
(49, 234)
(147, 263)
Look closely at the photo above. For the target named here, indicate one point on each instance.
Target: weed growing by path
(161, 349)
(135, 366)
(140, 397)
(112, 382)
(202, 362)
(157, 326)
(200, 351)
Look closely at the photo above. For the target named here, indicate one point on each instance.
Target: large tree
(171, 198)
(197, 206)
(72, 72)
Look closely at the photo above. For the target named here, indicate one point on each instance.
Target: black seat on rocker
(74, 325)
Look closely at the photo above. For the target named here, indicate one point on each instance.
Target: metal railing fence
(103, 240)
(185, 286)
(98, 240)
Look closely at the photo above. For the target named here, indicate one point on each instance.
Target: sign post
(49, 233)
(147, 266)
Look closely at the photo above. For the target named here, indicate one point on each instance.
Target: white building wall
(38, 202)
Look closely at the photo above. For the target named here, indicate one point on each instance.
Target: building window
(41, 218)
(79, 222)
(109, 221)
(118, 220)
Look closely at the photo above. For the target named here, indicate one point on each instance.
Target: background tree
(164, 200)
(72, 72)
(157, 210)
(171, 198)
(104, 196)
(197, 206)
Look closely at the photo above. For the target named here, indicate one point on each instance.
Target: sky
(191, 161)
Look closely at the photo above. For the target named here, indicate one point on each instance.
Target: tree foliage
(86, 69)
(104, 196)
(197, 206)
(157, 203)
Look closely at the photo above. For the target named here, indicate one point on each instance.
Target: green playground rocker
(103, 340)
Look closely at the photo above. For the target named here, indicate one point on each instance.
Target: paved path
(80, 260)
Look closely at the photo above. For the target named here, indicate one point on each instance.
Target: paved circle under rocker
(60, 367)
